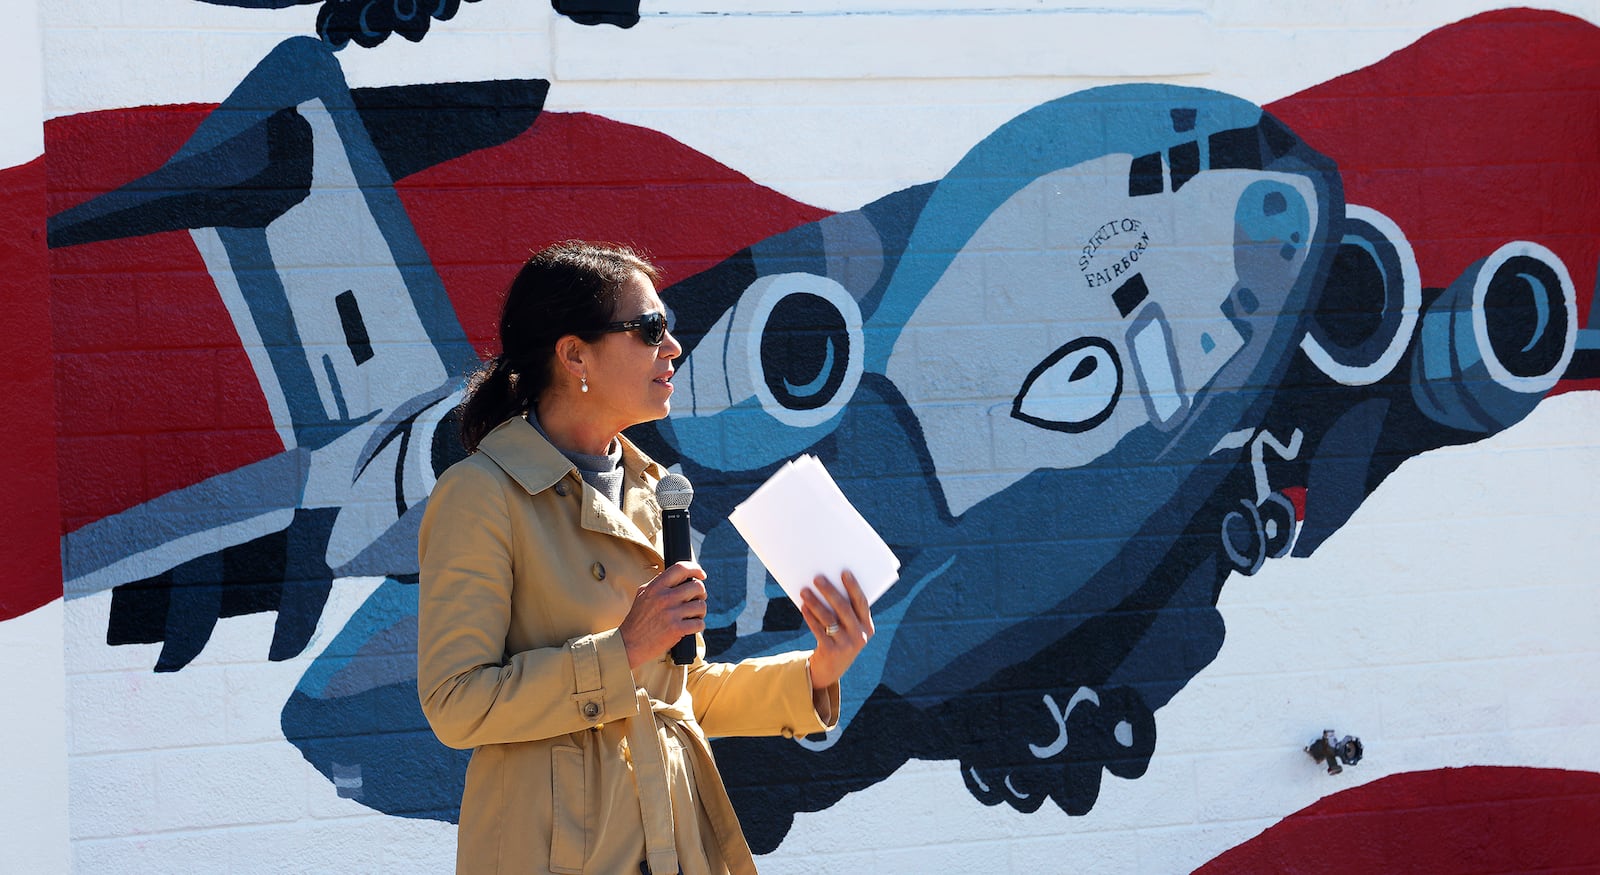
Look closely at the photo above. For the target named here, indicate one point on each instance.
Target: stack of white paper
(800, 525)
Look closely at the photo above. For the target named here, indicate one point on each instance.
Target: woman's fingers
(672, 605)
(818, 605)
(681, 587)
(846, 614)
(815, 599)
(690, 590)
(843, 609)
(814, 621)
(858, 602)
(680, 572)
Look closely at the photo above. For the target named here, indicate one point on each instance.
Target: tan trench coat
(526, 574)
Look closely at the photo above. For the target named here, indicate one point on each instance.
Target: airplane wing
(143, 541)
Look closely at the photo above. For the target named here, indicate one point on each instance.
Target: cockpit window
(1074, 389)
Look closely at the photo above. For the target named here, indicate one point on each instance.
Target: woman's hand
(670, 606)
(842, 622)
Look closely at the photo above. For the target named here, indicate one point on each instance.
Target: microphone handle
(678, 548)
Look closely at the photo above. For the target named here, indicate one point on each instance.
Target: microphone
(674, 494)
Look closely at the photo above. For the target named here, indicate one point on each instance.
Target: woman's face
(629, 380)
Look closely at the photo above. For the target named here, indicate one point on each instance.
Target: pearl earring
(585, 386)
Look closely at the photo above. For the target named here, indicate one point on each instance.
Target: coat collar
(535, 464)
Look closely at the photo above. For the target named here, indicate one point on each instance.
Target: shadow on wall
(1136, 341)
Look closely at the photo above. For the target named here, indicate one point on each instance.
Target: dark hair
(568, 288)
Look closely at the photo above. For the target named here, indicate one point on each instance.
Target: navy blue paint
(368, 23)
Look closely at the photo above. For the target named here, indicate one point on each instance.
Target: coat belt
(655, 794)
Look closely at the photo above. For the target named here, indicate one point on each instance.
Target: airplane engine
(781, 365)
(1368, 308)
(1494, 342)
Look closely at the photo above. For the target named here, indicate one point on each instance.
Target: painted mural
(369, 23)
(1139, 339)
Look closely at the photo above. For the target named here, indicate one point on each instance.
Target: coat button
(591, 710)
(561, 489)
(787, 732)
(598, 570)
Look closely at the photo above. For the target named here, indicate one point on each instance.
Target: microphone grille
(674, 492)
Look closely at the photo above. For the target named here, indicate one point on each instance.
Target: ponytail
(492, 398)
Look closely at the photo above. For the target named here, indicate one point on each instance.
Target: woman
(546, 612)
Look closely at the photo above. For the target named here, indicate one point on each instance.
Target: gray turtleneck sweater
(604, 473)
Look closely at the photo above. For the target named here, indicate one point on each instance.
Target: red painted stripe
(1479, 819)
(577, 175)
(1478, 134)
(28, 513)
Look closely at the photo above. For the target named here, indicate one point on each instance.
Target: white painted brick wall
(1453, 619)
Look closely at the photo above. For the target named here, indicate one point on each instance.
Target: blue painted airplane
(1135, 341)
(1075, 384)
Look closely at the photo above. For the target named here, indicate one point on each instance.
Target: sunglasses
(652, 327)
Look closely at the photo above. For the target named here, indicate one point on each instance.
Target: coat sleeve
(473, 692)
(769, 695)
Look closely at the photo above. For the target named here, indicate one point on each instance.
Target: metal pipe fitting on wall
(1331, 750)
